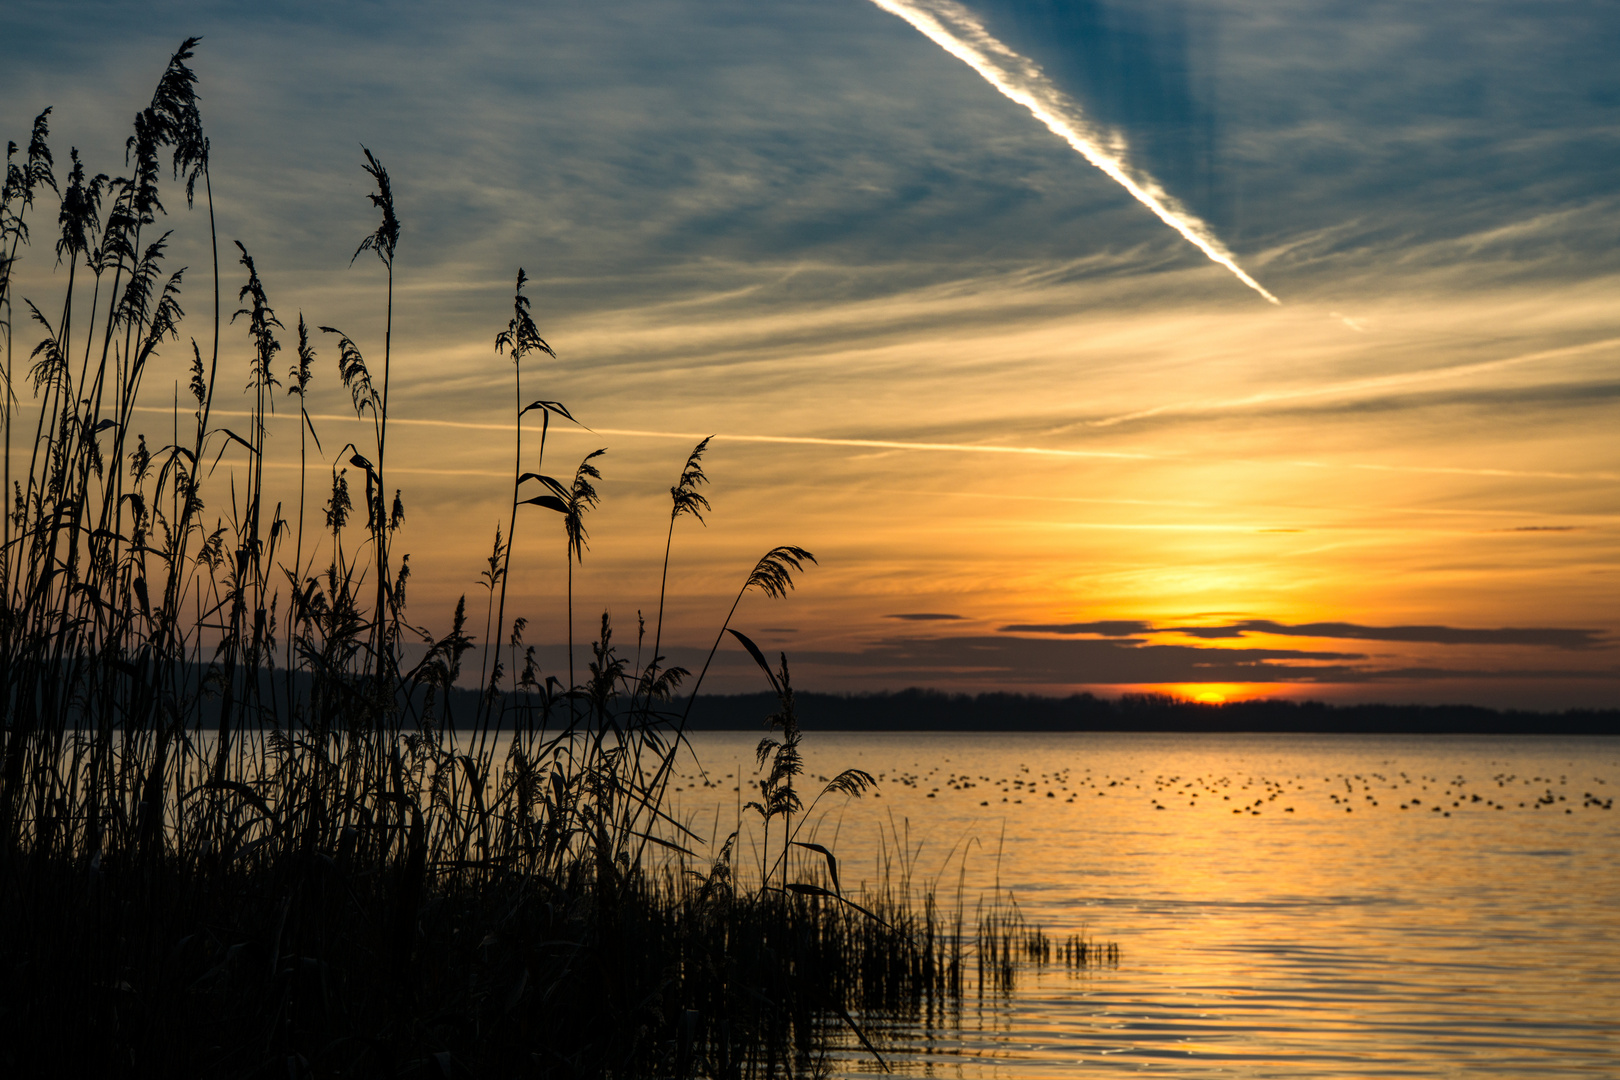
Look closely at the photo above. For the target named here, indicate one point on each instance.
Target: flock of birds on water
(1251, 796)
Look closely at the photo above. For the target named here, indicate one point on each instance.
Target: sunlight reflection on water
(1286, 906)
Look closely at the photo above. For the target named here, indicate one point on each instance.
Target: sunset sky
(1036, 439)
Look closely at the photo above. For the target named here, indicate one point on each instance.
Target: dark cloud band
(1545, 637)
(1542, 636)
(1015, 660)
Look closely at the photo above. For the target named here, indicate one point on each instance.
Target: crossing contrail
(956, 30)
(1345, 389)
(889, 444)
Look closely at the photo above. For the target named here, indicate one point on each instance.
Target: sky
(1035, 437)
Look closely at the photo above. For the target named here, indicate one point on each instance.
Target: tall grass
(241, 833)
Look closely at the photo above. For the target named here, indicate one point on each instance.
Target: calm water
(1280, 913)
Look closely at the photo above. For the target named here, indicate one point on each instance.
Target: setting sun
(1216, 693)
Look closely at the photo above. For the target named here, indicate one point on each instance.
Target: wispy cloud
(925, 446)
(1544, 636)
(924, 323)
(1363, 387)
(982, 660)
(1112, 628)
(1548, 637)
(1080, 661)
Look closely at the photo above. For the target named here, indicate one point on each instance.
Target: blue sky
(806, 220)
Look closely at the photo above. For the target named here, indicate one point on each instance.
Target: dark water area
(1285, 905)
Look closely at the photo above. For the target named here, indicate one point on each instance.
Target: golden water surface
(1285, 905)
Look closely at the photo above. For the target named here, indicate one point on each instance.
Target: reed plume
(382, 241)
(685, 499)
(521, 337)
(582, 498)
(226, 867)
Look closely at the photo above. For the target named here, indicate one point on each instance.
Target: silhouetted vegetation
(242, 835)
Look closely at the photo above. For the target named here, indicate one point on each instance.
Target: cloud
(1024, 660)
(924, 616)
(1547, 637)
(1378, 387)
(1009, 660)
(1048, 665)
(804, 223)
(1113, 628)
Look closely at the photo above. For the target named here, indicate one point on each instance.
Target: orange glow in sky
(1035, 439)
(1217, 693)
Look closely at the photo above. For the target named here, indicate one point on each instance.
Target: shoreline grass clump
(244, 831)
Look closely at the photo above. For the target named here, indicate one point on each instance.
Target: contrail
(896, 444)
(1354, 386)
(955, 29)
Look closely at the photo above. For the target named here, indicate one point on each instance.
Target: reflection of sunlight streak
(1021, 80)
(936, 447)
(1379, 382)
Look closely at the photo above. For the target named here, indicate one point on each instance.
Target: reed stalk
(226, 868)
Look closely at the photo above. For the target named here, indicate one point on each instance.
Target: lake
(1285, 905)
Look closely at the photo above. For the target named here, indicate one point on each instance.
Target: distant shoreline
(936, 710)
(926, 710)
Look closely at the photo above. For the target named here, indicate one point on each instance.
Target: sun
(1213, 693)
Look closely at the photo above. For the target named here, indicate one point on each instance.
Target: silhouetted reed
(1006, 943)
(242, 834)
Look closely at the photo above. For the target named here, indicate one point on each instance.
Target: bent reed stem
(224, 866)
